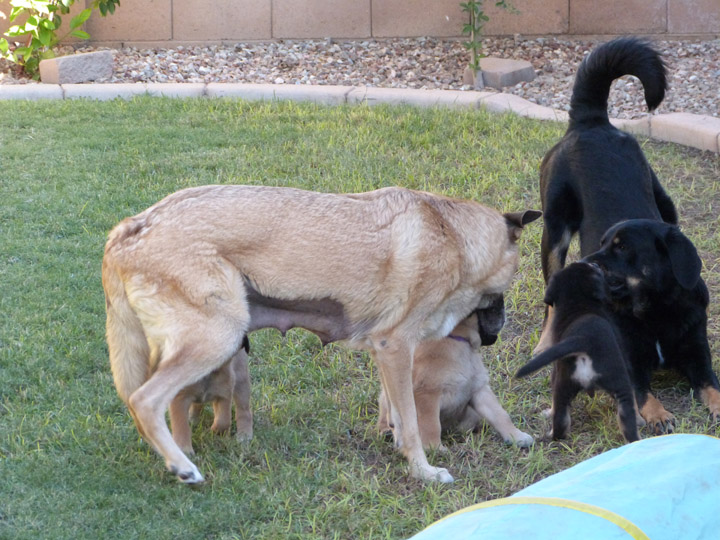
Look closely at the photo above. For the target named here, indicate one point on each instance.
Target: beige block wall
(400, 18)
(618, 16)
(321, 18)
(691, 16)
(527, 17)
(202, 20)
(134, 20)
(182, 21)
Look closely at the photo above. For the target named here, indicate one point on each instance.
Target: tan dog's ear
(517, 220)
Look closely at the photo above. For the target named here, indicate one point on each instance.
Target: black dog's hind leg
(555, 243)
(667, 209)
(556, 237)
(627, 414)
(564, 391)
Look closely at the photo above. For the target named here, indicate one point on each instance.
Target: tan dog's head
(503, 238)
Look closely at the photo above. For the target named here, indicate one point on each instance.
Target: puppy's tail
(623, 56)
(569, 347)
(127, 344)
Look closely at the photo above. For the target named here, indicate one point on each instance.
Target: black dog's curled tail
(622, 56)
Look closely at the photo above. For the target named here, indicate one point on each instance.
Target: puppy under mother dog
(451, 385)
(228, 384)
(189, 277)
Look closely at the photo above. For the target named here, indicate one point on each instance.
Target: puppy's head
(577, 282)
(491, 318)
(645, 259)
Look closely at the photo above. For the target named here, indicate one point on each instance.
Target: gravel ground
(421, 63)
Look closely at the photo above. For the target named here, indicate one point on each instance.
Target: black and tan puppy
(451, 385)
(653, 271)
(587, 348)
(597, 175)
(226, 385)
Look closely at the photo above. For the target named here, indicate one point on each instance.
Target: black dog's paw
(711, 398)
(662, 427)
(658, 419)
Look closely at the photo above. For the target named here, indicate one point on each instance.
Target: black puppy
(597, 175)
(653, 271)
(587, 348)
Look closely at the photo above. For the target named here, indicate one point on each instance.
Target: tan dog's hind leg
(394, 359)
(180, 423)
(428, 413)
(194, 412)
(222, 412)
(711, 398)
(486, 403)
(383, 425)
(241, 397)
(215, 340)
(657, 418)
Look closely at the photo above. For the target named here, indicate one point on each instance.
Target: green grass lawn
(72, 464)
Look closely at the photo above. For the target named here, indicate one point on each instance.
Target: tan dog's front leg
(486, 403)
(394, 359)
(241, 397)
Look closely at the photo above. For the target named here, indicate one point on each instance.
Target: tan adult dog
(451, 384)
(189, 277)
(228, 384)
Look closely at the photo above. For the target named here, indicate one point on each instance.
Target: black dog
(597, 175)
(653, 271)
(587, 348)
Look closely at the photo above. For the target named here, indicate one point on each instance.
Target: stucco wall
(158, 22)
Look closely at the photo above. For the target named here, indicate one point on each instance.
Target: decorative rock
(501, 72)
(77, 68)
(417, 63)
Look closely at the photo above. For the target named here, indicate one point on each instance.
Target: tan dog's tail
(127, 344)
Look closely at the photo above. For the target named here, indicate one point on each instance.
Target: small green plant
(474, 28)
(41, 30)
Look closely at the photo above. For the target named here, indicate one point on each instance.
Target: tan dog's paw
(243, 437)
(520, 439)
(658, 419)
(711, 398)
(431, 474)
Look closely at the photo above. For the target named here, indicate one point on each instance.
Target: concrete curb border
(695, 131)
